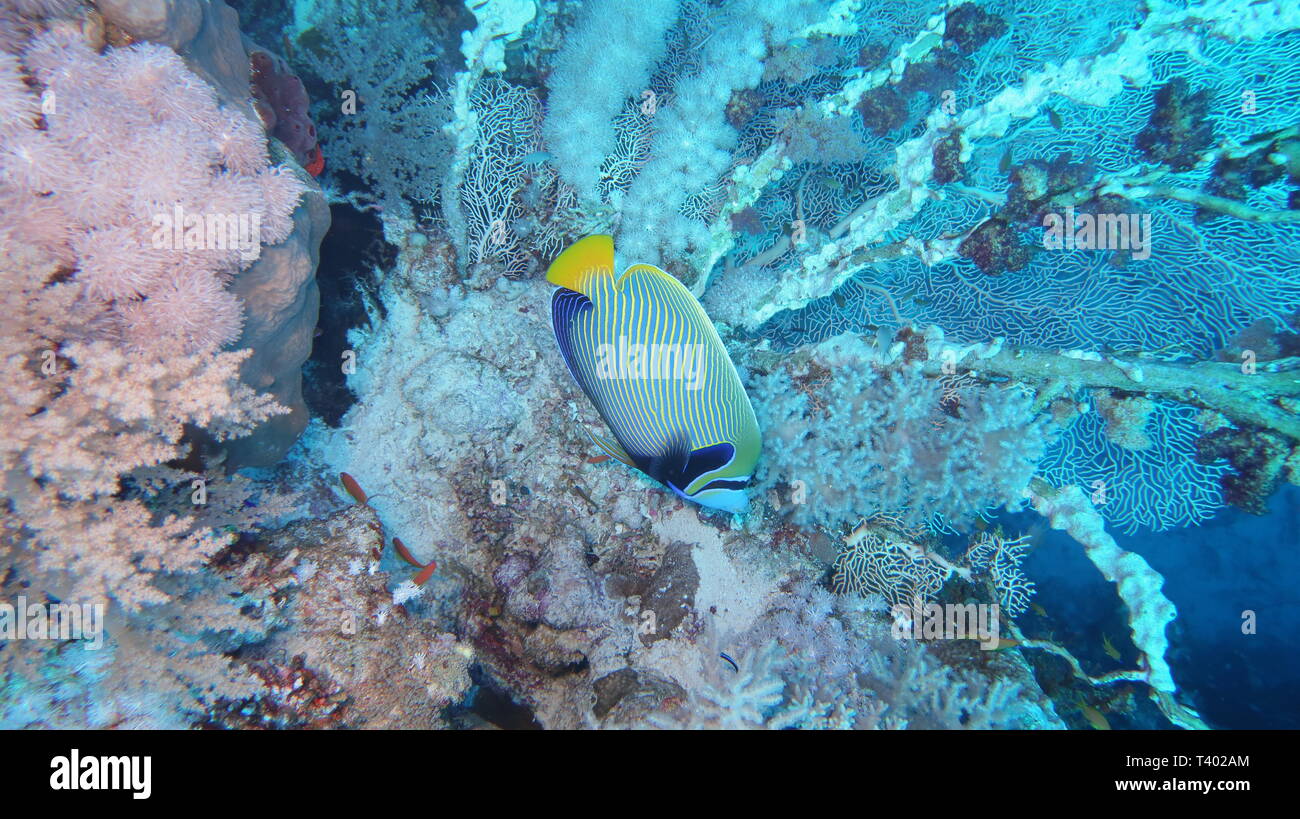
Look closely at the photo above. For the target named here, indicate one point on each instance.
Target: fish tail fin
(581, 260)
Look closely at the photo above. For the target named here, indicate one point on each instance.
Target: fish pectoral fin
(611, 448)
(669, 467)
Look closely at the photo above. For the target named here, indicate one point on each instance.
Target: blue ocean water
(1215, 573)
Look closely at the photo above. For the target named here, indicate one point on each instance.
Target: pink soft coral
(159, 194)
(129, 200)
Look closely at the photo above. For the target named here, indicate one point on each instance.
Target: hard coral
(995, 248)
(1234, 177)
(947, 160)
(1126, 418)
(1259, 462)
(883, 110)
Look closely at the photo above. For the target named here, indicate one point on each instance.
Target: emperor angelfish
(645, 353)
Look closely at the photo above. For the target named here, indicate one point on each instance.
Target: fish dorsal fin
(584, 259)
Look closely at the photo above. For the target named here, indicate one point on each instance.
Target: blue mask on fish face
(652, 364)
(690, 474)
(728, 500)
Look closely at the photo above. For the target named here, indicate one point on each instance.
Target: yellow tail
(583, 259)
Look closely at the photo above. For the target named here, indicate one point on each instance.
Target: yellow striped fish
(645, 353)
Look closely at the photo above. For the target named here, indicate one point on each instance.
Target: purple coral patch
(282, 102)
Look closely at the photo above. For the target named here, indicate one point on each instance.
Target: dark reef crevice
(351, 251)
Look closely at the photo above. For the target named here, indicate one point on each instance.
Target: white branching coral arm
(747, 182)
(1267, 396)
(1138, 585)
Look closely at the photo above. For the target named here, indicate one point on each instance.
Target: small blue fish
(653, 365)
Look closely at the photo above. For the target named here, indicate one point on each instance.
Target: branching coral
(1139, 586)
(580, 111)
(79, 415)
(750, 696)
(1160, 485)
(502, 185)
(853, 673)
(890, 439)
(904, 567)
(386, 120)
(693, 140)
(881, 560)
(999, 559)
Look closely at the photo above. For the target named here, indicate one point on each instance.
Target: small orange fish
(354, 489)
(425, 573)
(405, 553)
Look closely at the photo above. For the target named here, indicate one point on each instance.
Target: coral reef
(385, 125)
(109, 364)
(984, 273)
(125, 278)
(341, 636)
